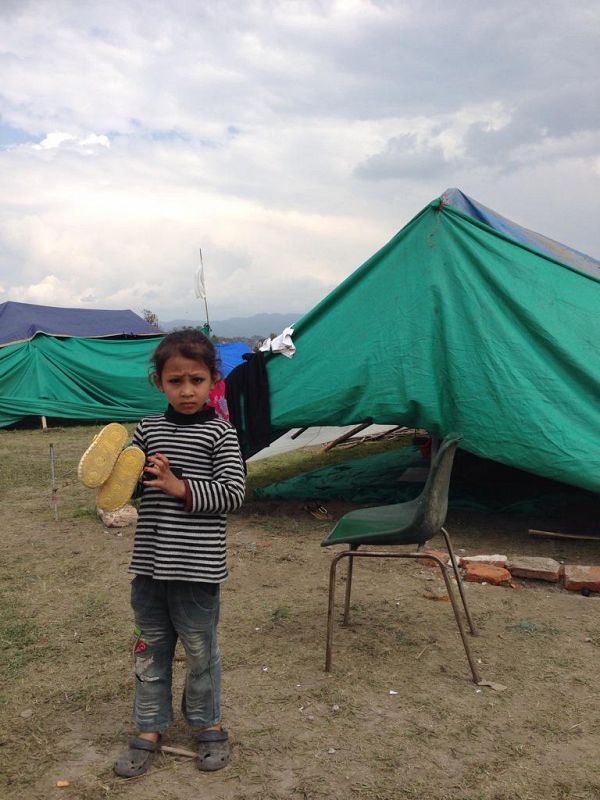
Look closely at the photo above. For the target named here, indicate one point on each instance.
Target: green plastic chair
(410, 523)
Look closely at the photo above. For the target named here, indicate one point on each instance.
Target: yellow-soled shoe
(120, 485)
(98, 460)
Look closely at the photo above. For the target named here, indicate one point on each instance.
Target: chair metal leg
(331, 605)
(461, 630)
(451, 596)
(459, 583)
(346, 618)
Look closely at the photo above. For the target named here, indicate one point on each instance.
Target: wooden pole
(398, 429)
(556, 535)
(298, 433)
(54, 487)
(204, 288)
(347, 435)
(178, 751)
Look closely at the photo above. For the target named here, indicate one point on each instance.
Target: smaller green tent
(81, 364)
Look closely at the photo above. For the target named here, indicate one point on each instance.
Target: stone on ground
(121, 518)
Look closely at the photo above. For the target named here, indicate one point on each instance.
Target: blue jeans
(165, 611)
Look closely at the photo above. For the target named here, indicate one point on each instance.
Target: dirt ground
(398, 717)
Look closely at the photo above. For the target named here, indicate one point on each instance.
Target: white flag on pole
(199, 286)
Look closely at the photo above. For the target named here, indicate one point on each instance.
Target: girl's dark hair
(189, 343)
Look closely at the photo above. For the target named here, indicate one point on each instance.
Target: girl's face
(186, 383)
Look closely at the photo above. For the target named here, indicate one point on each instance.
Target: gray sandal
(213, 750)
(137, 758)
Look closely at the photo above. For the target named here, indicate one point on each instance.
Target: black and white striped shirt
(172, 543)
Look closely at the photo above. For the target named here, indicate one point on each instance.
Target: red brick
(428, 562)
(576, 577)
(534, 567)
(486, 573)
(496, 560)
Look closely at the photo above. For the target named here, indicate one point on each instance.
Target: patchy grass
(20, 640)
(533, 627)
(397, 718)
(280, 613)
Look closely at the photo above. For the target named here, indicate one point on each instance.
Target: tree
(150, 317)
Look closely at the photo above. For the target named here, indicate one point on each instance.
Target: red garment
(426, 448)
(216, 400)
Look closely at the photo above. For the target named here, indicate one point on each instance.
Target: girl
(194, 476)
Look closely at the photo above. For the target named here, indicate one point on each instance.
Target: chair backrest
(434, 497)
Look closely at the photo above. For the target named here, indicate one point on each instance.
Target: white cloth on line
(280, 344)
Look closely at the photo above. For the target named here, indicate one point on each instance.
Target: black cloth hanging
(248, 402)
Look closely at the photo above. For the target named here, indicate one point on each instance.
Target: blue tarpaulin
(543, 244)
(20, 322)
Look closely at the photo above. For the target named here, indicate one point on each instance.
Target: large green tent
(464, 324)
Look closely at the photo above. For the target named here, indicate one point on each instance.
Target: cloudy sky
(289, 140)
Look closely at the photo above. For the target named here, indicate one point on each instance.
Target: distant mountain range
(257, 326)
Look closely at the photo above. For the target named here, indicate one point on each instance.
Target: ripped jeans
(165, 611)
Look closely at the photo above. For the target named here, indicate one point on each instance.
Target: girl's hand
(163, 477)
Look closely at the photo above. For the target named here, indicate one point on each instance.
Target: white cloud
(85, 144)
(53, 140)
(49, 291)
(289, 140)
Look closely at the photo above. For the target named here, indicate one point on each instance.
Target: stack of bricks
(499, 570)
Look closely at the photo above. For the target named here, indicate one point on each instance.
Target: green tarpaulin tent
(456, 326)
(86, 379)
(93, 379)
